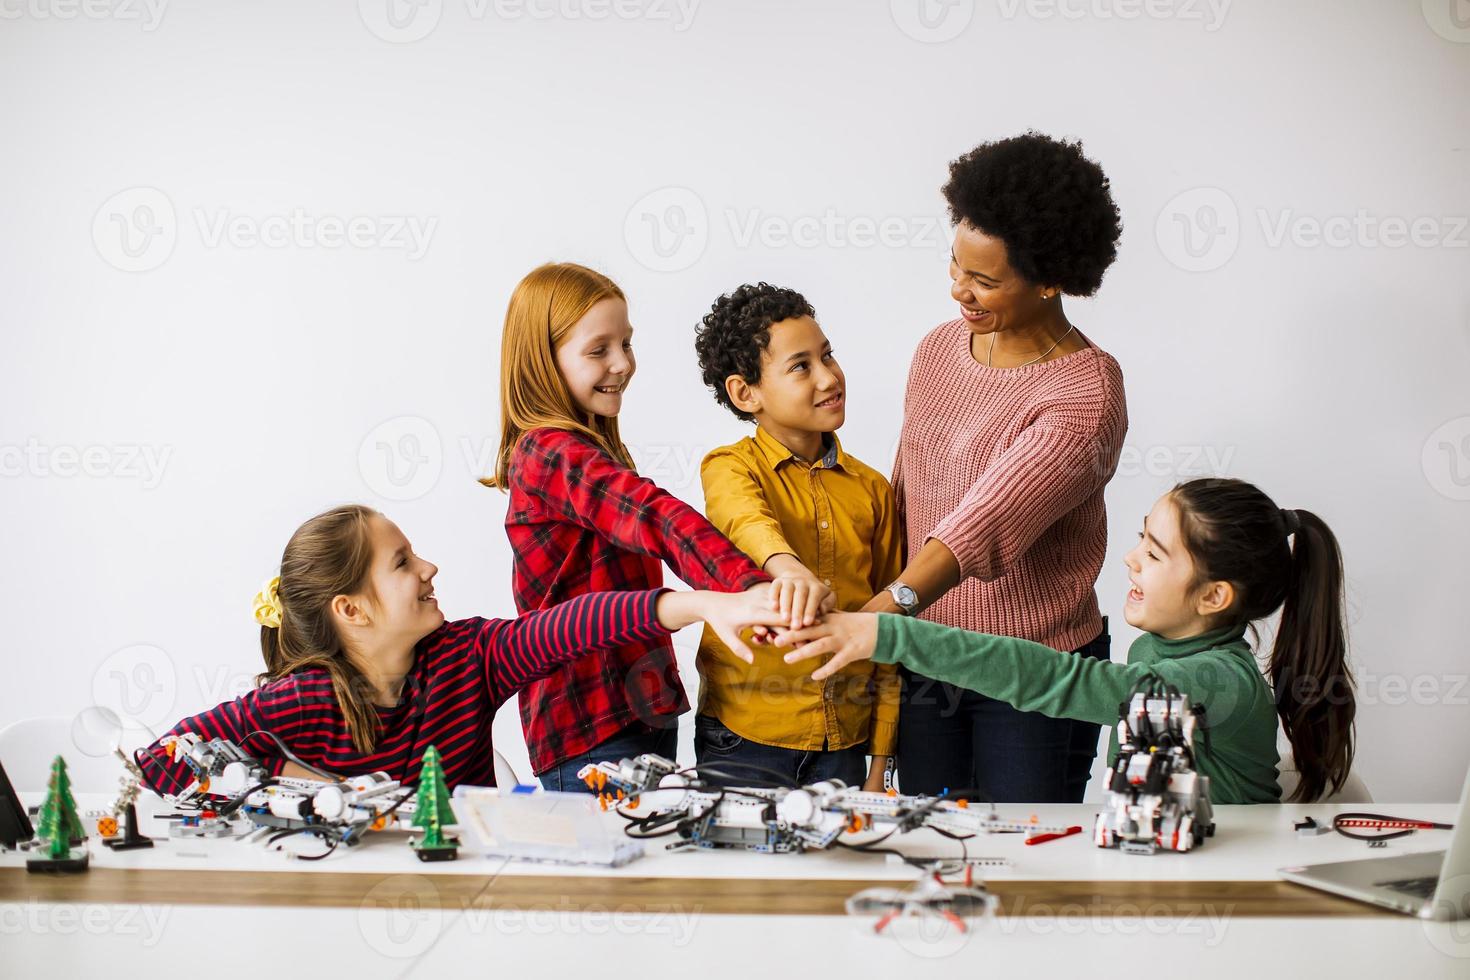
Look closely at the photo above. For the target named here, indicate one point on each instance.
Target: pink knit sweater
(1007, 466)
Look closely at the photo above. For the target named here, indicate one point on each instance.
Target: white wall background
(174, 403)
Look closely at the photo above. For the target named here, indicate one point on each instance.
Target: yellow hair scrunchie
(267, 605)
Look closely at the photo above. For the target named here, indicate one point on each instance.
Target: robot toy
(776, 819)
(1156, 798)
(232, 792)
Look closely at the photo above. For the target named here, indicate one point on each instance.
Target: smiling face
(993, 297)
(596, 358)
(399, 600)
(802, 388)
(1165, 597)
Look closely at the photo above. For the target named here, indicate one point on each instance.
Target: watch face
(906, 596)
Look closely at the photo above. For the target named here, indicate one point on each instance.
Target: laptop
(1432, 885)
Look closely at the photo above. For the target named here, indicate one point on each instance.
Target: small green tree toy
(58, 826)
(432, 812)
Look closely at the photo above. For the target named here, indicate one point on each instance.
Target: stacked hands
(795, 612)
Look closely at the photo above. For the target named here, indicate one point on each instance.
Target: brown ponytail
(1236, 534)
(328, 556)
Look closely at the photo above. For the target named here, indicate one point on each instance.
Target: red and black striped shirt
(461, 673)
(578, 522)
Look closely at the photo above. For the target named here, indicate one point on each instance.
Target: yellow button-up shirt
(838, 516)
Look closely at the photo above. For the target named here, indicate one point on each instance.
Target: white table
(415, 921)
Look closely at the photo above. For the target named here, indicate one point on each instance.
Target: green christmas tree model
(432, 812)
(58, 825)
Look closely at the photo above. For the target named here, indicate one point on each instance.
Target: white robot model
(778, 819)
(231, 786)
(1156, 797)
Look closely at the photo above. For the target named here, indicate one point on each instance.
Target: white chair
(27, 748)
(1355, 790)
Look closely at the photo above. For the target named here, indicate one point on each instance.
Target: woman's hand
(728, 614)
(849, 637)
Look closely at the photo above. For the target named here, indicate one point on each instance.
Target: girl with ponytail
(1214, 557)
(363, 673)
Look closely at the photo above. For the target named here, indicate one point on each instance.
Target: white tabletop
(1250, 844)
(419, 939)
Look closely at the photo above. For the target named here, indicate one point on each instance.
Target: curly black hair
(1051, 206)
(735, 332)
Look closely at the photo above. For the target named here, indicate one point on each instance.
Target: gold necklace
(991, 349)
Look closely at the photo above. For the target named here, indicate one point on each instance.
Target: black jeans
(953, 738)
(715, 745)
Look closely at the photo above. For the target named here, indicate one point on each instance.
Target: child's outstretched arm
(1027, 675)
(580, 484)
(519, 651)
(242, 721)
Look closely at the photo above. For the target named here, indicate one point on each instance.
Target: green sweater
(1215, 669)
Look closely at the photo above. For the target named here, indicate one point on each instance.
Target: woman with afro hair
(1013, 422)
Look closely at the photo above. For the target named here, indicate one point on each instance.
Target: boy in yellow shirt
(797, 504)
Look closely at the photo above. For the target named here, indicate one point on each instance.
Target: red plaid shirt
(581, 522)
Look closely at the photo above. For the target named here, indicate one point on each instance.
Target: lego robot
(233, 793)
(775, 819)
(1156, 798)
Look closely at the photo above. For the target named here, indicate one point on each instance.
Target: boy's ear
(743, 395)
(346, 610)
(1216, 598)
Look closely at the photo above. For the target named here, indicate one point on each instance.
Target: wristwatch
(907, 598)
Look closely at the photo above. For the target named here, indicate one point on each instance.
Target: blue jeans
(953, 738)
(626, 744)
(718, 747)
